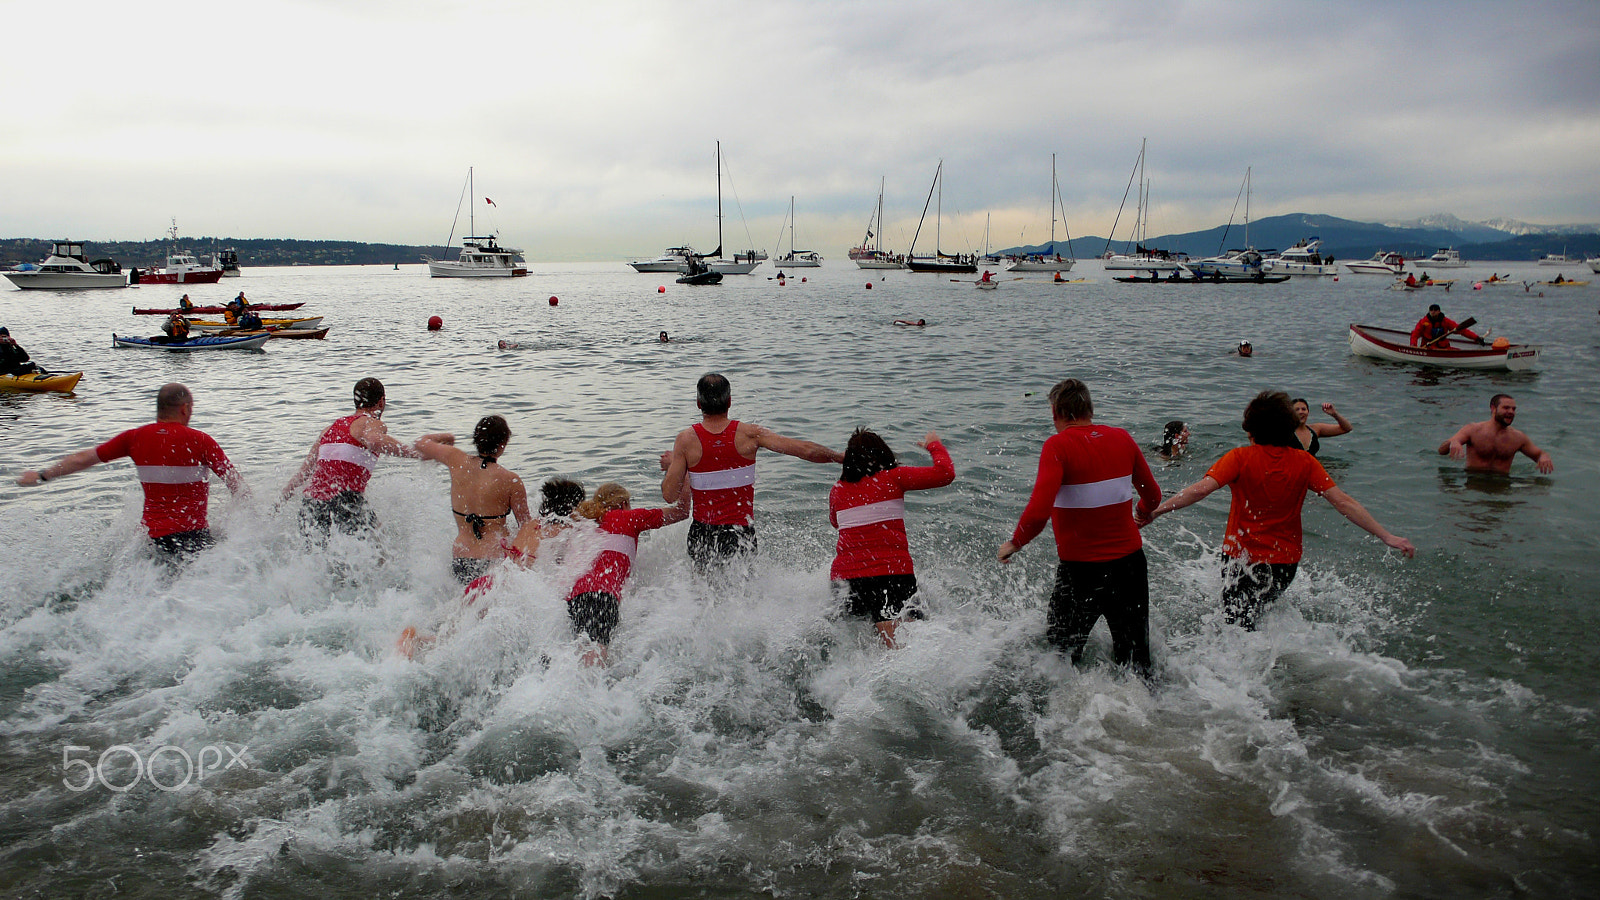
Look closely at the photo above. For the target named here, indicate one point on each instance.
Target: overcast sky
(592, 125)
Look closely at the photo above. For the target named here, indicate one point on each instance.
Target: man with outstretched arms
(1489, 447)
(340, 464)
(717, 458)
(1089, 476)
(172, 460)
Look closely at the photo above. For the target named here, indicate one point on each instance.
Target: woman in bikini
(484, 495)
(1312, 433)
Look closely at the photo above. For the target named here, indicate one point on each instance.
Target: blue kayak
(206, 342)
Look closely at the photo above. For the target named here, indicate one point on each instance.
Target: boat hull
(37, 383)
(798, 261)
(1140, 264)
(659, 265)
(455, 270)
(1395, 346)
(1301, 269)
(192, 277)
(928, 265)
(206, 342)
(1041, 265)
(212, 326)
(878, 264)
(217, 310)
(65, 281)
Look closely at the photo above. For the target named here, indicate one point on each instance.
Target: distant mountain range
(252, 251)
(1496, 239)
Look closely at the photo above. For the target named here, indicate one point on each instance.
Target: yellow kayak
(214, 325)
(62, 383)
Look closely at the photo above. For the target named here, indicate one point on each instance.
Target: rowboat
(217, 310)
(62, 383)
(213, 326)
(207, 342)
(1395, 346)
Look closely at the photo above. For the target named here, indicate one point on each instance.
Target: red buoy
(435, 323)
(554, 301)
(661, 289)
(802, 279)
(869, 285)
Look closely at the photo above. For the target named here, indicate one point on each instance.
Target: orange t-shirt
(1269, 486)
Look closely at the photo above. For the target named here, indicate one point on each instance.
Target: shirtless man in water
(1489, 447)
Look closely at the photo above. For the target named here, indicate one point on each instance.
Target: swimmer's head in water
(713, 394)
(1175, 436)
(664, 337)
(560, 497)
(1245, 349)
(866, 454)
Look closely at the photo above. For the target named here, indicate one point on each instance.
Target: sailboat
(989, 257)
(1050, 259)
(871, 255)
(1143, 259)
(940, 261)
(742, 263)
(480, 256)
(1244, 263)
(796, 259)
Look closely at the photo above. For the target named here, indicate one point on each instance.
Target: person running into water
(483, 495)
(1311, 433)
(596, 597)
(559, 499)
(172, 460)
(1089, 476)
(717, 457)
(1433, 328)
(872, 560)
(340, 464)
(1261, 548)
(1490, 446)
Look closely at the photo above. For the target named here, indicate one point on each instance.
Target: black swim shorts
(595, 614)
(882, 598)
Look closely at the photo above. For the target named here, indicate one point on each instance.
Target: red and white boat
(1458, 353)
(182, 267)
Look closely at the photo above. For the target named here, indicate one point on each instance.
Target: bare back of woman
(484, 497)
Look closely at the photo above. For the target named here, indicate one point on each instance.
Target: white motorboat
(226, 259)
(1556, 259)
(67, 269)
(870, 254)
(480, 256)
(795, 259)
(1594, 265)
(673, 259)
(1382, 263)
(1446, 258)
(1049, 259)
(1304, 258)
(1142, 259)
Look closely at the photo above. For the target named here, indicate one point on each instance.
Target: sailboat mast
(719, 199)
(938, 217)
(1247, 243)
(1052, 203)
(472, 205)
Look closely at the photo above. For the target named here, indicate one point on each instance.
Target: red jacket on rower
(1429, 329)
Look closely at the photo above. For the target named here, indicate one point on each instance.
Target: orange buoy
(435, 323)
(554, 301)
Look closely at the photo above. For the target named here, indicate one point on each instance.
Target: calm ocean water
(1398, 728)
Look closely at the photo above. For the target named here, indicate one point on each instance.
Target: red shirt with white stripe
(343, 463)
(724, 481)
(619, 537)
(1088, 476)
(870, 516)
(172, 460)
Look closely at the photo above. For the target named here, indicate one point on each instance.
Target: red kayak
(213, 310)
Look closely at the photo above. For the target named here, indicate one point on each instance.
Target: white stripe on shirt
(1095, 494)
(619, 543)
(871, 513)
(349, 453)
(722, 479)
(171, 474)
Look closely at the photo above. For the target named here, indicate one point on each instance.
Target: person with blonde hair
(595, 600)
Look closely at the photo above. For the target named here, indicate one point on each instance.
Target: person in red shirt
(1433, 327)
(872, 559)
(340, 464)
(596, 597)
(172, 460)
(717, 458)
(1089, 476)
(1269, 479)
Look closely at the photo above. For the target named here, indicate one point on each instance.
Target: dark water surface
(1398, 728)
